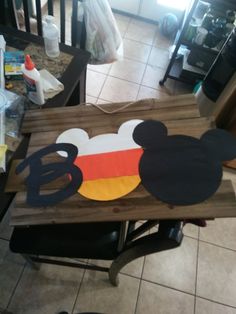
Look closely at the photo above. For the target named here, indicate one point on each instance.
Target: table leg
(79, 94)
(82, 87)
(6, 198)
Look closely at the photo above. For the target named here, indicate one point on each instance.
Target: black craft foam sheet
(40, 175)
(179, 169)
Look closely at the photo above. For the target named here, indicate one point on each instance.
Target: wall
(148, 9)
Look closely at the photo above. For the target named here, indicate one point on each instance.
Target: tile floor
(137, 75)
(199, 277)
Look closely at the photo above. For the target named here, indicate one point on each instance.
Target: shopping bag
(103, 39)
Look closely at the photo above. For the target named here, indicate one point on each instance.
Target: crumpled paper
(51, 86)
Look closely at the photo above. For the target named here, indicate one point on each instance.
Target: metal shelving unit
(175, 66)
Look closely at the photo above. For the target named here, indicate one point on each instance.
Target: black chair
(119, 242)
(8, 16)
(8, 13)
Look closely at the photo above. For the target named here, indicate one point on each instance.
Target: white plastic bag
(103, 39)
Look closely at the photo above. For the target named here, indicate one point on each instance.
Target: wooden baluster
(62, 19)
(50, 7)
(39, 17)
(26, 15)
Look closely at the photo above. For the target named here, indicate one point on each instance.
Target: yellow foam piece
(110, 188)
(3, 149)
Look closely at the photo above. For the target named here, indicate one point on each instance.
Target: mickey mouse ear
(220, 144)
(128, 127)
(76, 136)
(148, 133)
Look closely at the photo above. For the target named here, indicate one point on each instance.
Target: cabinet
(191, 61)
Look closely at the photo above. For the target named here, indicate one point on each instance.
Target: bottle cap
(29, 65)
(49, 18)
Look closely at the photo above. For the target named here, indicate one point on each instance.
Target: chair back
(8, 13)
(77, 29)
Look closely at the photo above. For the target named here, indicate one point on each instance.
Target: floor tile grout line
(131, 59)
(190, 237)
(4, 239)
(91, 101)
(168, 287)
(79, 288)
(139, 288)
(217, 302)
(156, 89)
(125, 32)
(155, 36)
(108, 72)
(96, 70)
(135, 60)
(130, 275)
(143, 21)
(217, 245)
(123, 79)
(103, 86)
(143, 74)
(87, 94)
(140, 42)
(140, 283)
(106, 101)
(197, 257)
(17, 283)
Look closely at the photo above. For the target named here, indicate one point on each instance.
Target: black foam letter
(42, 174)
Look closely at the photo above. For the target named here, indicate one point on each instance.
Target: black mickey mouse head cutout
(179, 169)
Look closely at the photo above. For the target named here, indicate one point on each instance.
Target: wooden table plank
(143, 104)
(193, 127)
(77, 209)
(81, 116)
(78, 120)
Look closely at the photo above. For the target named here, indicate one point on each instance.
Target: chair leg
(169, 236)
(32, 264)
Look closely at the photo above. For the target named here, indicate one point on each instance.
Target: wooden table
(181, 116)
(70, 68)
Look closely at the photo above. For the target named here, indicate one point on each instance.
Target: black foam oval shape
(180, 172)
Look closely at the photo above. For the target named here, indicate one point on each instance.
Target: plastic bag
(14, 112)
(103, 39)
